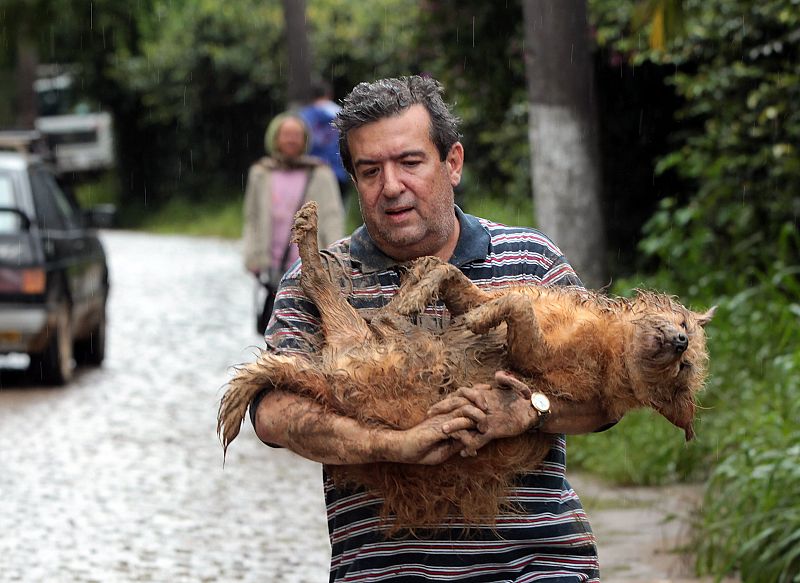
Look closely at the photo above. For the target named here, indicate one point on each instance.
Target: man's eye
(369, 172)
(412, 163)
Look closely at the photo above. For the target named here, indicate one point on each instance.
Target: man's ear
(455, 163)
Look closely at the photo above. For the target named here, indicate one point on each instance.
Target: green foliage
(209, 78)
(475, 49)
(739, 73)
(512, 211)
(192, 84)
(642, 449)
(763, 541)
(737, 69)
(102, 190)
(751, 515)
(727, 234)
(380, 42)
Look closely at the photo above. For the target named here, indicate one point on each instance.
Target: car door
(72, 261)
(19, 259)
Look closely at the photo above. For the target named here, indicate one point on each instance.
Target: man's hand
(428, 443)
(505, 411)
(501, 411)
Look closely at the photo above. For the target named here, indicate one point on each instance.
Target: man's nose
(392, 184)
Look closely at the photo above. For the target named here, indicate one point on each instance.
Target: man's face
(291, 138)
(405, 190)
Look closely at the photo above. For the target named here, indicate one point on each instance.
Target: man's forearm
(306, 428)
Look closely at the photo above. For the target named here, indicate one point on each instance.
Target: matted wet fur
(648, 351)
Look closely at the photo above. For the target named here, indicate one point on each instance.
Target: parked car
(54, 280)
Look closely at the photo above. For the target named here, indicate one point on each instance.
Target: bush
(738, 68)
(727, 234)
(751, 520)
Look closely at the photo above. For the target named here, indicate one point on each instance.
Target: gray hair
(369, 102)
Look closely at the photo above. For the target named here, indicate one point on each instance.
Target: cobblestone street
(119, 476)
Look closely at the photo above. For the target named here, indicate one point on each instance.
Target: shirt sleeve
(294, 326)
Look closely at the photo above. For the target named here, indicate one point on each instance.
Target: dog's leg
(525, 343)
(341, 323)
(429, 279)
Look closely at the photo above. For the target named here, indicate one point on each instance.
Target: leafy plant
(738, 69)
(751, 520)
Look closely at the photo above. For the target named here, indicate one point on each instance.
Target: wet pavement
(119, 476)
(642, 532)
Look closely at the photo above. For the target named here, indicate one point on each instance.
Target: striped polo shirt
(550, 540)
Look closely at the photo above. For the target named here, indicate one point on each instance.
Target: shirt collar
(473, 245)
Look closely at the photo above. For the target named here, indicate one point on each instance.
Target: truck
(79, 135)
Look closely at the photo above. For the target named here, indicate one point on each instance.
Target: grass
(102, 190)
(219, 216)
(207, 218)
(216, 219)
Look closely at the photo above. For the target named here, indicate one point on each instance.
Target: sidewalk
(639, 530)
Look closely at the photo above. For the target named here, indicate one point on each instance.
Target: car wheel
(54, 365)
(92, 350)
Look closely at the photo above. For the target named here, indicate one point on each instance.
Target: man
(318, 115)
(399, 142)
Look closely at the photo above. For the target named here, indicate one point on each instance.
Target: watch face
(540, 402)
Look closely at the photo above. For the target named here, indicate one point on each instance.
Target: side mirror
(101, 216)
(13, 220)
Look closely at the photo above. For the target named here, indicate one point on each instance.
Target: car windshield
(56, 95)
(10, 222)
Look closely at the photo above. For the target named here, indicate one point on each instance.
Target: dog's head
(668, 358)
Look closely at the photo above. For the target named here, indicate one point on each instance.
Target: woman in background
(277, 186)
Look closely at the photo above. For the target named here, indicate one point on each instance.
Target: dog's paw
(418, 268)
(408, 304)
(305, 221)
(476, 324)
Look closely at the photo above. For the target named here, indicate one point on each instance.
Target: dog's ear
(681, 414)
(703, 319)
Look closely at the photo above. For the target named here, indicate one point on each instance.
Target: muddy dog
(568, 343)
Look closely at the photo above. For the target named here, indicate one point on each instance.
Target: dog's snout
(681, 342)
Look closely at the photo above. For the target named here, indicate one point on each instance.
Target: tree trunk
(27, 61)
(299, 74)
(562, 125)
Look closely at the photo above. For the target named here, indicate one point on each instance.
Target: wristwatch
(541, 403)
